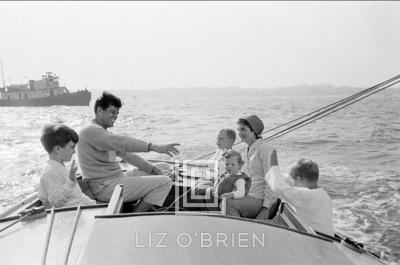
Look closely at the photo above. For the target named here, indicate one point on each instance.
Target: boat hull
(188, 238)
(80, 98)
(24, 242)
(166, 238)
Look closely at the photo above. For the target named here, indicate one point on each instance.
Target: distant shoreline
(305, 90)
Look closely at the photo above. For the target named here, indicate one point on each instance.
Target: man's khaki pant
(137, 185)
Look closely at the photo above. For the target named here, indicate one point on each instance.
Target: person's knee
(231, 208)
(230, 204)
(166, 181)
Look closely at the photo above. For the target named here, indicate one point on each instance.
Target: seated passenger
(233, 184)
(312, 203)
(98, 149)
(58, 186)
(260, 201)
(225, 140)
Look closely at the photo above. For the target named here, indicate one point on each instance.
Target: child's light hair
(233, 153)
(230, 133)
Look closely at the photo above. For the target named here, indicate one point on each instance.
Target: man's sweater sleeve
(137, 161)
(102, 140)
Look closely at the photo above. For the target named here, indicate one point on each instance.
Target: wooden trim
(289, 213)
(287, 222)
(223, 206)
(115, 204)
(18, 205)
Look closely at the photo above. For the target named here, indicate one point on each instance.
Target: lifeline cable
(13, 223)
(323, 114)
(323, 110)
(337, 103)
(78, 214)
(49, 230)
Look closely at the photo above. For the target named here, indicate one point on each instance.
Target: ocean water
(357, 149)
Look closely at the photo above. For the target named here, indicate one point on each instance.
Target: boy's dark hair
(247, 124)
(57, 134)
(305, 169)
(233, 153)
(230, 133)
(107, 99)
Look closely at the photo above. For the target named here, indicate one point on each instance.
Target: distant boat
(44, 92)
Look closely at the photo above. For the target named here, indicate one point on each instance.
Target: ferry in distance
(44, 92)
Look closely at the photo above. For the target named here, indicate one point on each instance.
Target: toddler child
(233, 184)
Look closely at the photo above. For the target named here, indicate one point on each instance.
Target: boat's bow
(24, 242)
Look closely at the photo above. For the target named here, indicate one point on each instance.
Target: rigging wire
(318, 114)
(311, 120)
(321, 112)
(335, 103)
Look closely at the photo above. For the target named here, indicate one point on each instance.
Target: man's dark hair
(107, 99)
(57, 134)
(305, 169)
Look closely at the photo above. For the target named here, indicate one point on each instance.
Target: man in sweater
(97, 151)
(301, 190)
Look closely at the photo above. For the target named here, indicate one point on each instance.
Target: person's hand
(168, 149)
(72, 172)
(156, 171)
(264, 214)
(274, 159)
(228, 195)
(174, 172)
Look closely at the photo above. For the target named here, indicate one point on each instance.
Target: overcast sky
(140, 45)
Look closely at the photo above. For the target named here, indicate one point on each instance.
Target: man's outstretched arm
(103, 140)
(137, 161)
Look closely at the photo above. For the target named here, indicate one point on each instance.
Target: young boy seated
(233, 184)
(58, 186)
(312, 203)
(224, 141)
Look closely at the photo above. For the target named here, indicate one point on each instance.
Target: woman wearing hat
(260, 198)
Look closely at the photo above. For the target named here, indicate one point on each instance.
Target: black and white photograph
(200, 132)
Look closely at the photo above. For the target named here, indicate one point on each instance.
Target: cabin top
(49, 80)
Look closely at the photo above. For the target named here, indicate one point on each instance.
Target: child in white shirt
(225, 140)
(58, 186)
(312, 203)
